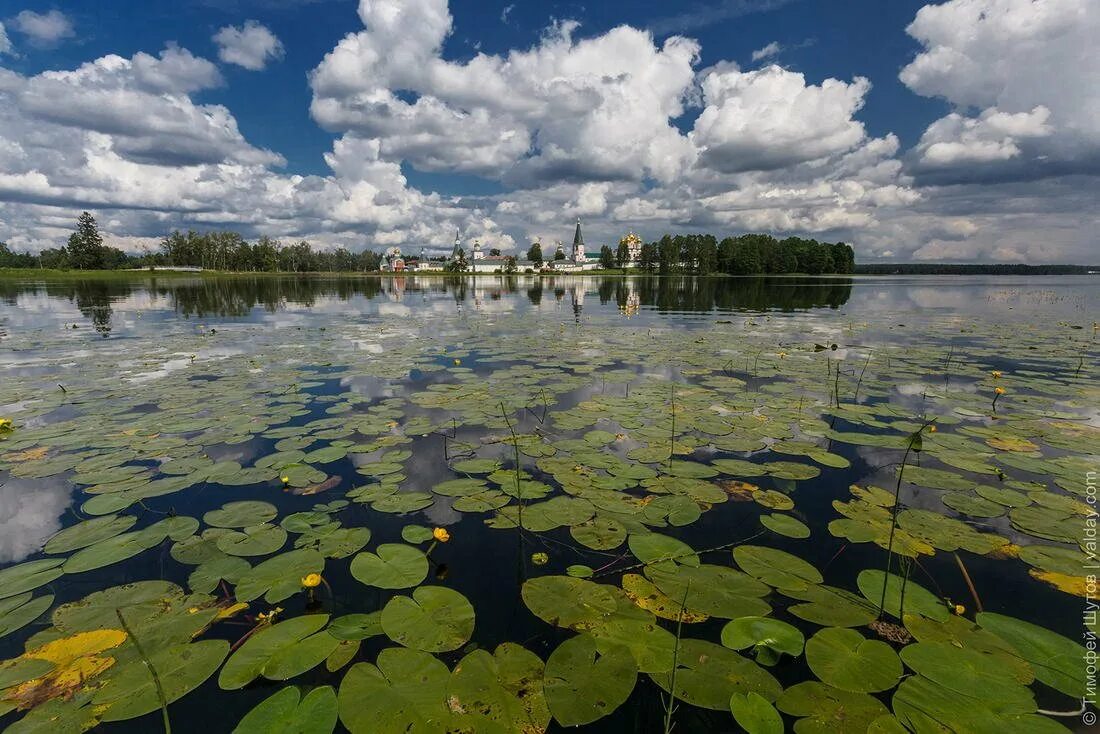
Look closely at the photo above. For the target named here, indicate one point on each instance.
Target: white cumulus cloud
(44, 29)
(251, 46)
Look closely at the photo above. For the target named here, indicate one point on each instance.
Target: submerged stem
(152, 671)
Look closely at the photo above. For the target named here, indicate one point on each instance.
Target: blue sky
(914, 132)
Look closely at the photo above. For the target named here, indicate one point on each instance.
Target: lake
(518, 504)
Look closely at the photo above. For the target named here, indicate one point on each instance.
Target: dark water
(48, 329)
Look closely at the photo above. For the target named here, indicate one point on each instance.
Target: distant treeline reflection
(238, 297)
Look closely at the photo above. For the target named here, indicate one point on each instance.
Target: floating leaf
(17, 612)
(582, 685)
(241, 514)
(844, 659)
(248, 662)
(254, 540)
(405, 692)
(768, 638)
(28, 576)
(394, 566)
(916, 598)
(754, 714)
(435, 619)
(775, 567)
(785, 525)
(278, 578)
(823, 709)
(130, 691)
(500, 692)
(567, 602)
(88, 532)
(1055, 659)
(288, 712)
(708, 675)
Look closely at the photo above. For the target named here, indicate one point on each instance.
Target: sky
(960, 131)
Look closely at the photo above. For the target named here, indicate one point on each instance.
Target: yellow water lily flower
(782, 355)
(996, 374)
(311, 580)
(285, 479)
(999, 390)
(6, 426)
(932, 428)
(458, 362)
(959, 610)
(441, 535)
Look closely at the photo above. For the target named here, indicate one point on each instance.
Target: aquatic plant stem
(969, 583)
(152, 671)
(913, 442)
(670, 705)
(855, 398)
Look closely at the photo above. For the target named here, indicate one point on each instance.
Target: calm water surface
(356, 343)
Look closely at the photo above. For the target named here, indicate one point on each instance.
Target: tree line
(693, 254)
(747, 254)
(216, 250)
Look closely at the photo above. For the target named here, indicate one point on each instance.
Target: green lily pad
(657, 548)
(129, 691)
(356, 626)
(968, 672)
(88, 532)
(1055, 659)
(435, 619)
(583, 685)
(416, 534)
(288, 712)
(567, 602)
(17, 612)
(769, 638)
(241, 514)
(844, 659)
(716, 591)
(29, 576)
(754, 714)
(708, 675)
(280, 577)
(498, 693)
(254, 540)
(785, 525)
(599, 533)
(916, 598)
(404, 692)
(394, 566)
(775, 567)
(250, 659)
(831, 607)
(823, 709)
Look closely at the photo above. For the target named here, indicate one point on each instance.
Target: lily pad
(1055, 659)
(130, 691)
(498, 693)
(394, 566)
(708, 675)
(405, 691)
(754, 714)
(582, 685)
(288, 712)
(241, 514)
(249, 661)
(844, 659)
(435, 619)
(915, 598)
(769, 638)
